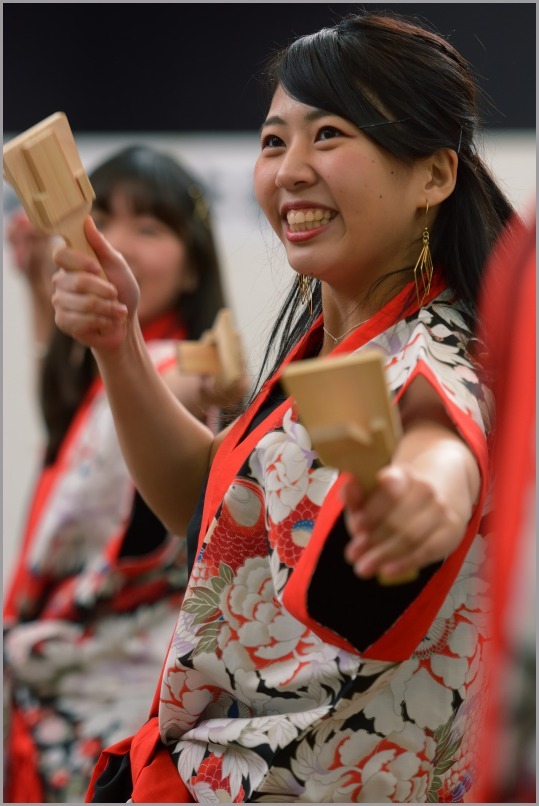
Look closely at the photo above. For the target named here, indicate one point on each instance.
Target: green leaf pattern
(205, 605)
(444, 758)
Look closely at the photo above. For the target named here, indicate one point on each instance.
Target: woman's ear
(441, 175)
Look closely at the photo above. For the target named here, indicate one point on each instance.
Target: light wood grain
(44, 168)
(219, 352)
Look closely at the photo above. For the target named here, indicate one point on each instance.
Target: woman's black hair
(374, 69)
(154, 184)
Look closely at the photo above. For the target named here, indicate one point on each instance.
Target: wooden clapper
(44, 168)
(345, 405)
(218, 352)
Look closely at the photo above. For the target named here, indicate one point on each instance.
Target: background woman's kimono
(288, 679)
(92, 603)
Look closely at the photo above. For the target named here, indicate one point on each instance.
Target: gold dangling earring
(424, 269)
(305, 284)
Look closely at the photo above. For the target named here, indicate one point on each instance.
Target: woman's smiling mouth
(309, 219)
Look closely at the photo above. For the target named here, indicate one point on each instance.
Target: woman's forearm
(166, 448)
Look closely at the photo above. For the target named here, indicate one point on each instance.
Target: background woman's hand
(31, 249)
(91, 309)
(215, 393)
(31, 252)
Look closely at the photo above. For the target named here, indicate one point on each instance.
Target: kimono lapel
(237, 446)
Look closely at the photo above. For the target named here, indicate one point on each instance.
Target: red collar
(404, 304)
(166, 326)
(225, 466)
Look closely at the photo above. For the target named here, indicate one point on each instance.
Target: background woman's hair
(374, 68)
(154, 184)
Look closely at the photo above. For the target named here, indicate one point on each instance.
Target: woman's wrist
(129, 352)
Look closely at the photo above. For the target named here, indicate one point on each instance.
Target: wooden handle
(196, 357)
(344, 404)
(403, 579)
(217, 353)
(72, 231)
(228, 348)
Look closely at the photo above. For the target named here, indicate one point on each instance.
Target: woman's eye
(271, 141)
(328, 133)
(150, 228)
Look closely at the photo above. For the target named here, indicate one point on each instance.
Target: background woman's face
(156, 255)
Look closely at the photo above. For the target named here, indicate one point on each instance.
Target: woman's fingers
(369, 519)
(72, 261)
(402, 525)
(78, 322)
(413, 543)
(85, 304)
(89, 305)
(118, 279)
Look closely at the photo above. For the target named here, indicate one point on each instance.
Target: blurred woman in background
(99, 579)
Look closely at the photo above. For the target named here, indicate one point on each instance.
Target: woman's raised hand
(31, 252)
(94, 310)
(31, 249)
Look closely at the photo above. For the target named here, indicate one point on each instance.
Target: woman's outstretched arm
(165, 447)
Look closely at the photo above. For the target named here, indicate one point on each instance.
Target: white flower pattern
(256, 707)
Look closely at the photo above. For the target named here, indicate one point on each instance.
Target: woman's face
(346, 210)
(156, 255)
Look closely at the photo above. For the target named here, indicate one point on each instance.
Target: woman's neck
(344, 313)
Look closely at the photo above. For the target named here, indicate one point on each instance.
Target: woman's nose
(295, 168)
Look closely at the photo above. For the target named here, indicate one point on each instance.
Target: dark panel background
(187, 67)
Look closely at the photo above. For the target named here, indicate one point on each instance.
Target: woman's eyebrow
(313, 114)
(274, 120)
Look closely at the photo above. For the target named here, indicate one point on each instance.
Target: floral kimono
(289, 679)
(93, 601)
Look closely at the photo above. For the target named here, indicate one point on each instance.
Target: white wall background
(256, 279)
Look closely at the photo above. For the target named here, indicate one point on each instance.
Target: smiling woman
(314, 180)
(292, 674)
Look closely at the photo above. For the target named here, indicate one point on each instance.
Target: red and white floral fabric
(260, 701)
(85, 625)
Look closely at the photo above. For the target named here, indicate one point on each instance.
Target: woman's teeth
(302, 220)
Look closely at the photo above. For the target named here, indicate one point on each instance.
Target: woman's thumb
(103, 250)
